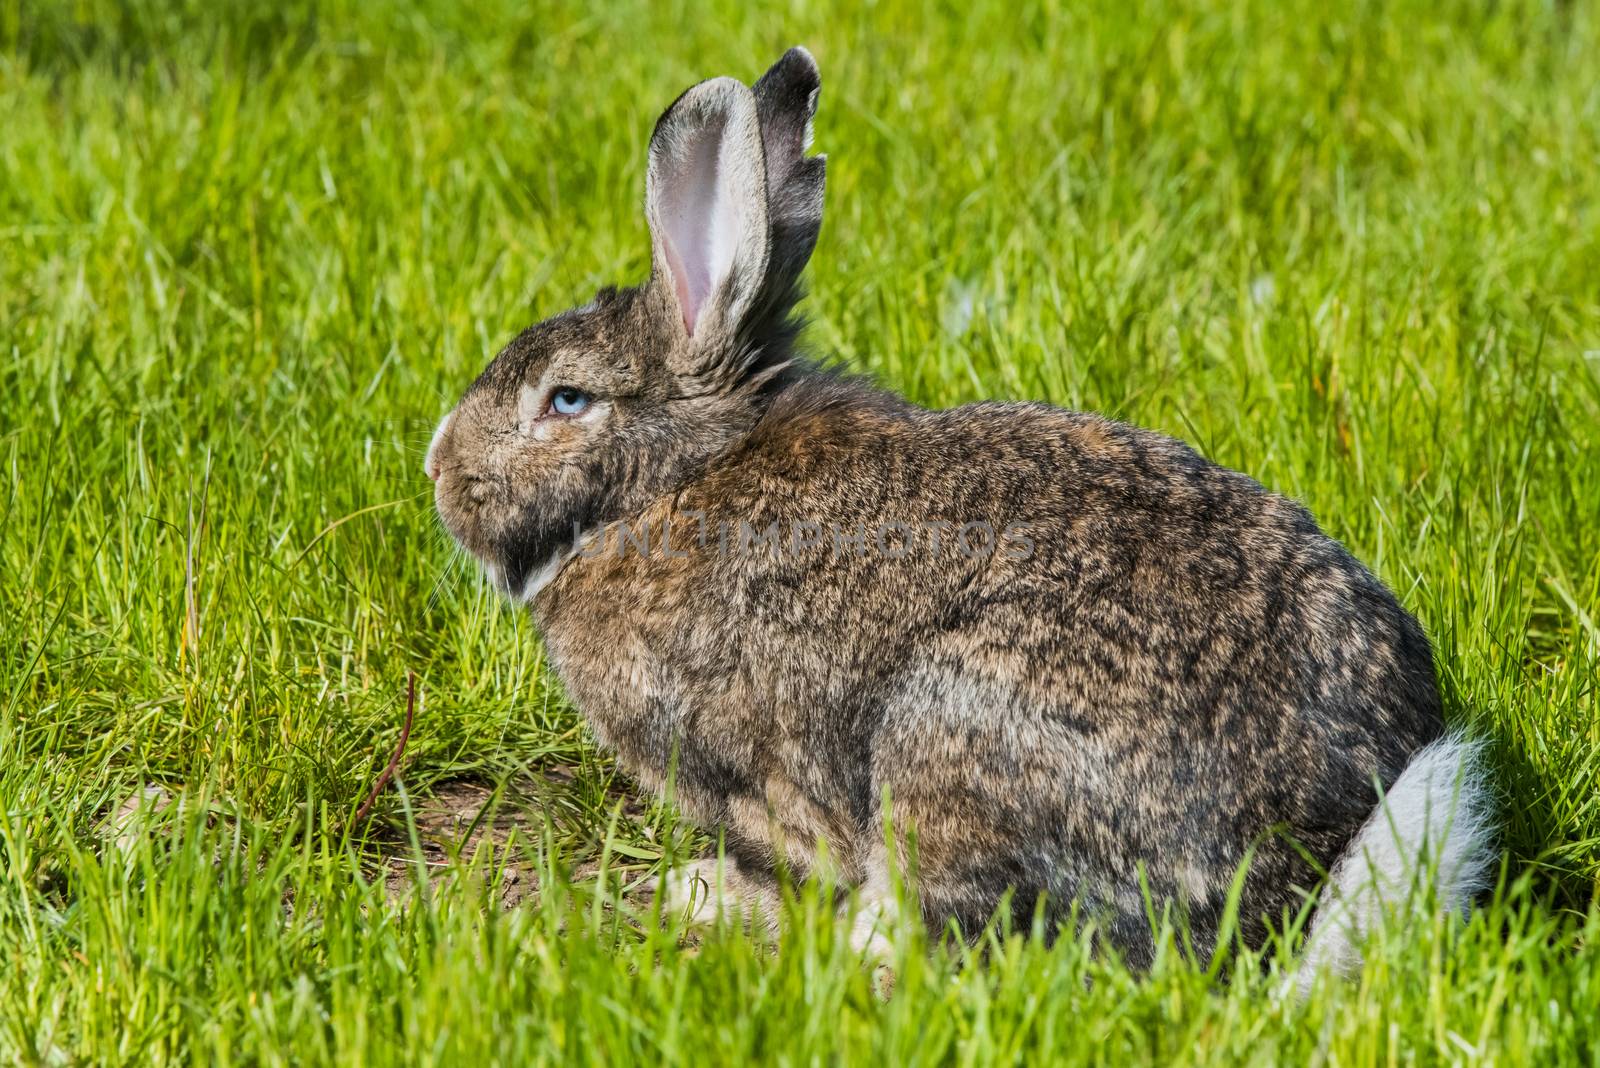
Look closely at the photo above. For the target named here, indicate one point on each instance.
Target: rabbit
(1064, 659)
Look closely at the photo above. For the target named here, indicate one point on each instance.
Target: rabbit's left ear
(706, 199)
(786, 99)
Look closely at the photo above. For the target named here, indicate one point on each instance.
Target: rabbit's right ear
(706, 199)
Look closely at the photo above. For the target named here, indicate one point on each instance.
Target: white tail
(1432, 828)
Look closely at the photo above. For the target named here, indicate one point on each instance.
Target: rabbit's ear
(706, 198)
(786, 99)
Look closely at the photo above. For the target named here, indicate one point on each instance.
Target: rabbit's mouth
(461, 501)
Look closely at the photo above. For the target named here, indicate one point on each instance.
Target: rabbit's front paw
(687, 891)
(872, 929)
(708, 890)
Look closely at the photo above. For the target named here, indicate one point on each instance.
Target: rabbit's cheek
(479, 492)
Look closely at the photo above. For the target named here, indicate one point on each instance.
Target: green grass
(249, 253)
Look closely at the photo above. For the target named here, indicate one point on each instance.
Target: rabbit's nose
(430, 463)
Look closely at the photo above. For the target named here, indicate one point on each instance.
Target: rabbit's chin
(497, 577)
(519, 556)
(523, 587)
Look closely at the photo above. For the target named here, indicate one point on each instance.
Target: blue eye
(569, 401)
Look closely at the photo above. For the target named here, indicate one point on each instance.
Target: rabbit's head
(586, 417)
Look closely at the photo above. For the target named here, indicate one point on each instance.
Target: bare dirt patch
(463, 819)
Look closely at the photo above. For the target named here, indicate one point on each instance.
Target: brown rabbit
(1073, 657)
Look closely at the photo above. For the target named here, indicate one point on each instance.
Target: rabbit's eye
(569, 401)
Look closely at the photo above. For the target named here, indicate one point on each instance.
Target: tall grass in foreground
(248, 254)
(245, 943)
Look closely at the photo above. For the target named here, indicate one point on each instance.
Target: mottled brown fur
(1181, 668)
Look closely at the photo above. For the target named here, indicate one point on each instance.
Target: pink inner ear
(681, 285)
(700, 228)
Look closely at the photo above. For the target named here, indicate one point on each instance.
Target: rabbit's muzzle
(464, 495)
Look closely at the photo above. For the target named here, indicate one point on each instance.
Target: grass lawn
(250, 252)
